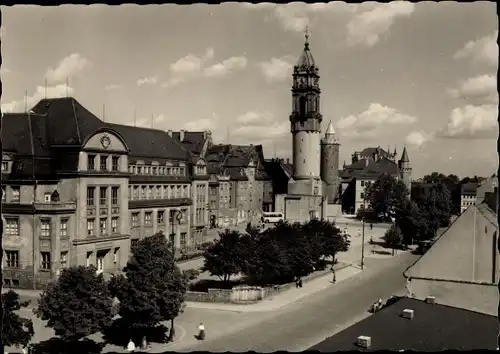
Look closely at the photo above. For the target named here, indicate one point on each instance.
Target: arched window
(302, 105)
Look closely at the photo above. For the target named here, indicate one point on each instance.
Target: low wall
(250, 294)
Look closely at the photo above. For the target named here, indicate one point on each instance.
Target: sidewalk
(282, 299)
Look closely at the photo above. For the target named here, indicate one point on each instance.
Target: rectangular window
(63, 228)
(104, 163)
(114, 195)
(114, 225)
(45, 228)
(45, 260)
(90, 196)
(103, 196)
(12, 226)
(103, 226)
(64, 259)
(135, 219)
(362, 195)
(143, 192)
(148, 218)
(91, 227)
(160, 218)
(362, 183)
(133, 243)
(47, 197)
(100, 261)
(12, 259)
(5, 166)
(91, 162)
(114, 163)
(183, 239)
(16, 194)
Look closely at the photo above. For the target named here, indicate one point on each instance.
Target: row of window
(157, 170)
(12, 259)
(158, 192)
(103, 163)
(12, 227)
(160, 218)
(103, 196)
(103, 226)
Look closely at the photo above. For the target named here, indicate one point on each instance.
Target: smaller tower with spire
(405, 169)
(330, 163)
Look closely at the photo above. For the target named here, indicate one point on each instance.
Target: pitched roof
(368, 168)
(370, 151)
(192, 141)
(469, 188)
(404, 156)
(454, 254)
(149, 143)
(434, 327)
(306, 58)
(237, 157)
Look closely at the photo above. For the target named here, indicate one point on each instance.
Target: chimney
(181, 135)
(169, 132)
(408, 314)
(364, 342)
(430, 300)
(288, 161)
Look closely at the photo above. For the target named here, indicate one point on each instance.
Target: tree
(326, 238)
(223, 257)
(393, 237)
(153, 288)
(386, 195)
(78, 304)
(15, 329)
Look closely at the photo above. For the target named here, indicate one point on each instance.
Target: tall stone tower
(306, 125)
(405, 169)
(330, 163)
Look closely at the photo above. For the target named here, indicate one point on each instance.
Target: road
(308, 321)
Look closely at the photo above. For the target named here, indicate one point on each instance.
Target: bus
(272, 217)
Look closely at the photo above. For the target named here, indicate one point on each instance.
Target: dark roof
(193, 141)
(469, 188)
(306, 58)
(404, 156)
(368, 168)
(433, 328)
(370, 151)
(149, 143)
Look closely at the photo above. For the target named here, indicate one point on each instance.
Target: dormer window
(91, 162)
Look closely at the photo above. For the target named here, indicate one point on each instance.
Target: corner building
(80, 191)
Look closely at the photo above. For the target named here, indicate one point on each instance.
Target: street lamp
(363, 235)
(177, 216)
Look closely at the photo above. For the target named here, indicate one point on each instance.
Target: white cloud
(478, 87)
(472, 122)
(367, 27)
(174, 81)
(225, 67)
(151, 121)
(257, 127)
(482, 50)
(203, 124)
(191, 63)
(40, 93)
(276, 69)
(71, 65)
(147, 81)
(376, 119)
(418, 138)
(112, 87)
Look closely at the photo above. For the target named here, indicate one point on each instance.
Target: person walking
(201, 331)
(371, 226)
(334, 275)
(130, 346)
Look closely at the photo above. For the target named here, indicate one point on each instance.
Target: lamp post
(177, 216)
(363, 236)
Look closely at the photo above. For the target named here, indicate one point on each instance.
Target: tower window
(302, 105)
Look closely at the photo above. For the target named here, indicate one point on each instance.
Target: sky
(421, 74)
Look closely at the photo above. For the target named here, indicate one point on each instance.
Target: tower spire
(306, 35)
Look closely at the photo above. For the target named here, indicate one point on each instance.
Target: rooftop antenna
(135, 117)
(104, 112)
(25, 101)
(152, 120)
(45, 88)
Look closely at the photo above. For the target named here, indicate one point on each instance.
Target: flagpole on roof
(25, 101)
(45, 88)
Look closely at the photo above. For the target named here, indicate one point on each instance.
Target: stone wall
(250, 294)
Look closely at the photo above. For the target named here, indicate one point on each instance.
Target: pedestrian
(297, 282)
(300, 282)
(334, 275)
(201, 331)
(144, 343)
(130, 346)
(371, 226)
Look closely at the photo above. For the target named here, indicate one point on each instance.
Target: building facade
(468, 196)
(80, 191)
(330, 155)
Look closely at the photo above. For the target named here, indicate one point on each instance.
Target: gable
(105, 141)
(466, 251)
